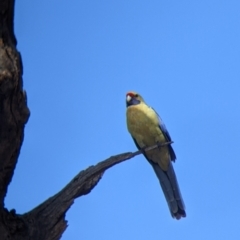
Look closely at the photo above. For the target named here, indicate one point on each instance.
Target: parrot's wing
(166, 134)
(162, 126)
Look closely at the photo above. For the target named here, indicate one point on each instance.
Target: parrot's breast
(143, 125)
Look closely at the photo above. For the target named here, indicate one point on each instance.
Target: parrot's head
(133, 98)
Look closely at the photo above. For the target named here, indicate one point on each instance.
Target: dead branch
(57, 206)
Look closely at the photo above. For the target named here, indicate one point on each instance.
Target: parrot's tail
(171, 190)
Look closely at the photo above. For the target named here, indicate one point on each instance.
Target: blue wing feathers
(166, 134)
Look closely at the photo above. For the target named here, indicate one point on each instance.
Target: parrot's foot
(143, 149)
(159, 145)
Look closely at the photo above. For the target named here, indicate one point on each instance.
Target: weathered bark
(13, 108)
(46, 221)
(13, 112)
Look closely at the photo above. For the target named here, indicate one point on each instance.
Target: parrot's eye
(136, 95)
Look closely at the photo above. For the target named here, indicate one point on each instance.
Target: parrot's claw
(143, 150)
(159, 145)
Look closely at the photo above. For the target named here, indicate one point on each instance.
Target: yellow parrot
(147, 129)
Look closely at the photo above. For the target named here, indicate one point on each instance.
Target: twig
(151, 148)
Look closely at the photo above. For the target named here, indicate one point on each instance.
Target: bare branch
(57, 206)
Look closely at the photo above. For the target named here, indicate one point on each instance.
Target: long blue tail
(169, 184)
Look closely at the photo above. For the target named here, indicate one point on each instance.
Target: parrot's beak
(129, 98)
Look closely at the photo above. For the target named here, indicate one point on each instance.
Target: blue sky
(80, 58)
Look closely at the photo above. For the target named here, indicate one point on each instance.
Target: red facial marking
(130, 94)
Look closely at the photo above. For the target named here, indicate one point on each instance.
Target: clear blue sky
(80, 58)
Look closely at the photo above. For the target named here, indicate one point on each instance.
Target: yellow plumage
(142, 123)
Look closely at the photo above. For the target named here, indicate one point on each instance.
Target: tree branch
(57, 206)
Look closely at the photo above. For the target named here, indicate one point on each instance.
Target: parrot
(147, 129)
